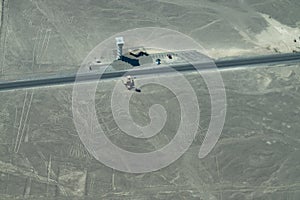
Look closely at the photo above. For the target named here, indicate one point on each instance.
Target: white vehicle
(129, 82)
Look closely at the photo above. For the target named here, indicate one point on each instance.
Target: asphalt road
(220, 64)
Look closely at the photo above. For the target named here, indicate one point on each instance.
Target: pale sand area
(42, 157)
(44, 37)
(275, 38)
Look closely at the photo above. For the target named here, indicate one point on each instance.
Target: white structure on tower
(120, 44)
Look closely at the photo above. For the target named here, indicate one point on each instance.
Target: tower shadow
(131, 61)
(141, 53)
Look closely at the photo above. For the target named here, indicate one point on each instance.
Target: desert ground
(257, 156)
(41, 37)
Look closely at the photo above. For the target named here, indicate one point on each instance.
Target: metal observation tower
(120, 44)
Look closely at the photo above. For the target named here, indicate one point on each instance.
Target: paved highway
(221, 64)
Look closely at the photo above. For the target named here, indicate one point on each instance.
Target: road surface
(220, 64)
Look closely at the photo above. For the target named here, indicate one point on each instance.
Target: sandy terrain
(257, 156)
(43, 37)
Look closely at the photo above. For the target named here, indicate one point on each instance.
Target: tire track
(2, 16)
(3, 4)
(20, 124)
(25, 123)
(3, 34)
(14, 170)
(37, 43)
(44, 46)
(53, 18)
